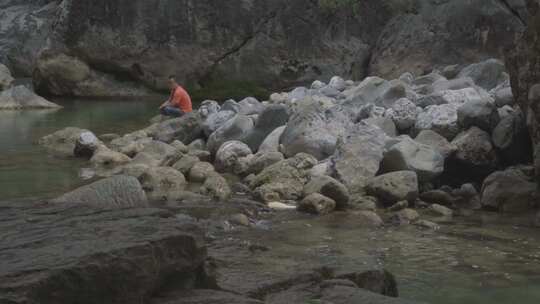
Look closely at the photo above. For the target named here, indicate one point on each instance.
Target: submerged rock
(86, 145)
(21, 98)
(163, 183)
(62, 142)
(394, 187)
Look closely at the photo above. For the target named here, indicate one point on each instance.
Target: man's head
(172, 82)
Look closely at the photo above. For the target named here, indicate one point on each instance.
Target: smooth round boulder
(394, 187)
(317, 203)
(228, 154)
(200, 172)
(509, 191)
(86, 145)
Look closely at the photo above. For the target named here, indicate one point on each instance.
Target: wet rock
(228, 155)
(131, 143)
(5, 77)
(271, 118)
(145, 159)
(281, 206)
(404, 217)
(261, 160)
(330, 188)
(367, 203)
(475, 152)
(369, 218)
(358, 156)
(394, 187)
(115, 192)
(159, 150)
(482, 114)
(442, 119)
(215, 120)
(314, 130)
(200, 171)
(403, 113)
(283, 180)
(109, 251)
(237, 128)
(337, 83)
(108, 137)
(509, 191)
(512, 140)
(185, 129)
(21, 98)
(398, 206)
(440, 210)
(163, 183)
(427, 224)
(487, 74)
(62, 142)
(86, 145)
(198, 144)
(185, 163)
(438, 197)
(271, 142)
(317, 203)
(216, 186)
(413, 156)
(437, 142)
(106, 158)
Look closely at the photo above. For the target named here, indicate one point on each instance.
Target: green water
(26, 170)
(479, 259)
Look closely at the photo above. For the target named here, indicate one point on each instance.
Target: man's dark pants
(171, 111)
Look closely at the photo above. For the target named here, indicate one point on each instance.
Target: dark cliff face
(271, 43)
(523, 62)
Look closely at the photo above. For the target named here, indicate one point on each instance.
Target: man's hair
(172, 77)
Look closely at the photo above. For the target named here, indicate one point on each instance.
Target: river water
(482, 258)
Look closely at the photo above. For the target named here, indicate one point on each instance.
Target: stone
(511, 138)
(427, 224)
(283, 180)
(403, 113)
(398, 206)
(271, 142)
(115, 192)
(185, 163)
(337, 83)
(440, 210)
(280, 206)
(113, 250)
(442, 119)
(317, 203)
(108, 137)
(487, 74)
(185, 129)
(198, 144)
(215, 120)
(158, 150)
(86, 145)
(200, 172)
(330, 188)
(405, 217)
(228, 155)
(503, 97)
(317, 84)
(366, 203)
(5, 77)
(509, 191)
(270, 118)
(475, 151)
(21, 98)
(250, 106)
(163, 183)
(384, 123)
(216, 186)
(436, 142)
(410, 155)
(62, 142)
(482, 114)
(314, 130)
(358, 156)
(208, 107)
(106, 158)
(237, 128)
(438, 197)
(261, 160)
(394, 187)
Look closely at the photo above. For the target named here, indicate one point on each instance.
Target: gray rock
(261, 160)
(271, 142)
(403, 113)
(475, 151)
(511, 138)
(116, 192)
(250, 106)
(159, 150)
(384, 123)
(207, 108)
(394, 187)
(200, 171)
(330, 188)
(86, 145)
(163, 183)
(503, 97)
(203, 296)
(198, 144)
(216, 186)
(487, 74)
(185, 163)
(440, 210)
(413, 156)
(509, 191)
(228, 154)
(271, 118)
(405, 217)
(21, 98)
(442, 119)
(481, 113)
(185, 129)
(113, 250)
(215, 120)
(398, 206)
(358, 156)
(437, 142)
(237, 128)
(438, 197)
(337, 83)
(105, 158)
(317, 84)
(5, 77)
(314, 130)
(317, 203)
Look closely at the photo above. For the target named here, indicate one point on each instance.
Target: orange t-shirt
(180, 99)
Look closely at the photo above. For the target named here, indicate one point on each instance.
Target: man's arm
(166, 103)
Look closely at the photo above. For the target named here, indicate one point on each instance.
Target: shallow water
(479, 259)
(26, 170)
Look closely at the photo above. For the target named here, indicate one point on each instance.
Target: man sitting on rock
(179, 103)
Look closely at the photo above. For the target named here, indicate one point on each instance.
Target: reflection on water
(26, 170)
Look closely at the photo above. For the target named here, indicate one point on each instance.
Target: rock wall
(523, 62)
(269, 43)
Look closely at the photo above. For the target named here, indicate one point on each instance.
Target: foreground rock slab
(66, 253)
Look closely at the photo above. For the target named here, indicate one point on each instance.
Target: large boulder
(86, 145)
(20, 98)
(62, 142)
(410, 155)
(317, 203)
(479, 113)
(314, 130)
(5, 77)
(437, 142)
(284, 180)
(271, 142)
(215, 120)
(475, 157)
(58, 253)
(512, 140)
(509, 191)
(216, 186)
(115, 192)
(330, 188)
(163, 183)
(487, 74)
(394, 187)
(228, 155)
(270, 118)
(358, 156)
(237, 128)
(185, 129)
(442, 119)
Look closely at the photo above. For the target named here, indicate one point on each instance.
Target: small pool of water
(27, 170)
